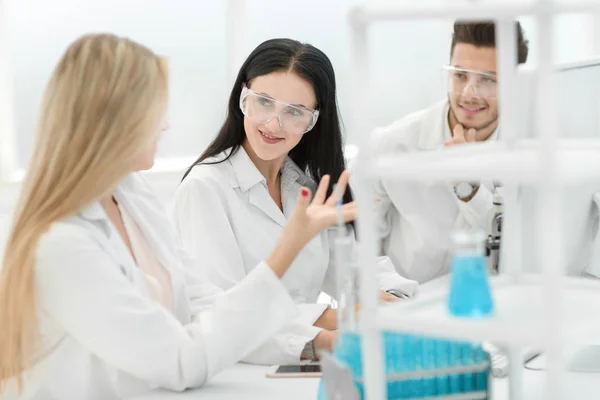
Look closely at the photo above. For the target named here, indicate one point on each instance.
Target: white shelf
(397, 10)
(519, 316)
(577, 161)
(525, 311)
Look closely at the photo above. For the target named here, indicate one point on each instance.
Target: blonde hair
(101, 107)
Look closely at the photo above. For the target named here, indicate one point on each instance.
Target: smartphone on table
(310, 370)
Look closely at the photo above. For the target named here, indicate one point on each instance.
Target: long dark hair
(320, 151)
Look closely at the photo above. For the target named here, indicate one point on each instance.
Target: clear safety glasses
(262, 109)
(460, 80)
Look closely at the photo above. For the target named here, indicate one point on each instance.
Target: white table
(245, 381)
(248, 382)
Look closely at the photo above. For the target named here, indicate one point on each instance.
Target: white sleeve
(387, 277)
(383, 208)
(202, 292)
(86, 292)
(201, 218)
(393, 140)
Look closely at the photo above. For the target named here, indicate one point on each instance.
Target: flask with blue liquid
(470, 294)
(419, 366)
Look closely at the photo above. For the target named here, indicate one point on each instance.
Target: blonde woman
(95, 298)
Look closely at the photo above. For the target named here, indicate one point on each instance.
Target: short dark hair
(483, 34)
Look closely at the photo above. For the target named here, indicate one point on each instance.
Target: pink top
(158, 279)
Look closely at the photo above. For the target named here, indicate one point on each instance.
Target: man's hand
(384, 297)
(459, 136)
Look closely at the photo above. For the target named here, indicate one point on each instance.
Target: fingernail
(304, 192)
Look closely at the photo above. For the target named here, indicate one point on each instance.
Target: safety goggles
(461, 80)
(262, 109)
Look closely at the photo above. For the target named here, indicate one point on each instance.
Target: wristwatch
(465, 190)
(308, 353)
(397, 293)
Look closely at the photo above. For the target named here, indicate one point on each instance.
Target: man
(416, 220)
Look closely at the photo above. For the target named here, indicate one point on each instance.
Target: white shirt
(416, 219)
(225, 215)
(104, 338)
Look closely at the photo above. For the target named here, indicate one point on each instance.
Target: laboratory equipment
(495, 231)
(419, 367)
(470, 294)
(345, 271)
(529, 309)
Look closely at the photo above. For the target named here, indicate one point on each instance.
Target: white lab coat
(416, 219)
(225, 214)
(104, 338)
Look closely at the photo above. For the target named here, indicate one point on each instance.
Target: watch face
(464, 189)
(397, 293)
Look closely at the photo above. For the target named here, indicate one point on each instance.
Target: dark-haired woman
(282, 132)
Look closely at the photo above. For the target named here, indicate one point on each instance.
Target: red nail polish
(304, 192)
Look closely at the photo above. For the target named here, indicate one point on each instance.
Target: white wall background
(405, 58)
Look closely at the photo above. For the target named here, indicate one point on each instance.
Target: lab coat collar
(97, 216)
(137, 197)
(94, 212)
(125, 193)
(248, 177)
(245, 171)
